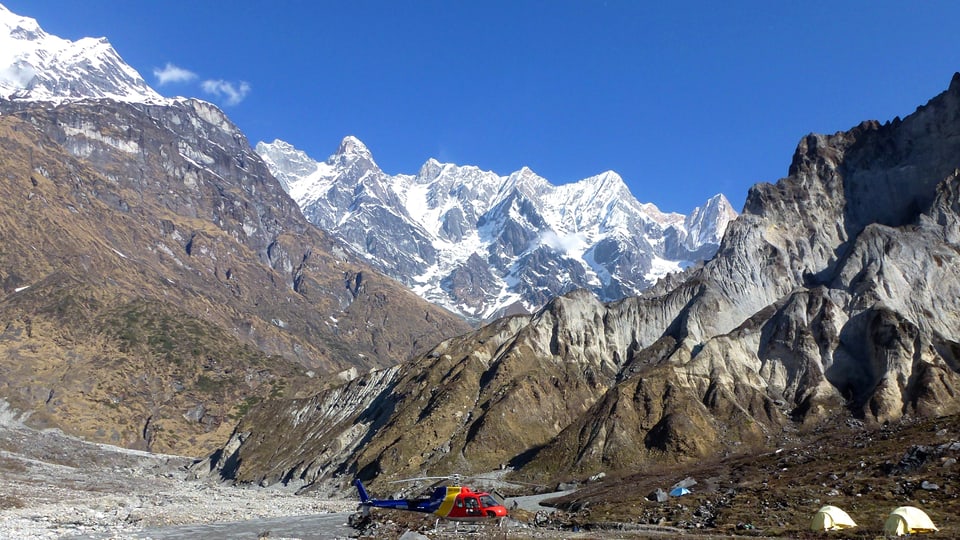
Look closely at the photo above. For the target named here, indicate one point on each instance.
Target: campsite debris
(658, 496)
(687, 482)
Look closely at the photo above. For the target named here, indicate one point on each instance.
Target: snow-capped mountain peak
(708, 222)
(353, 153)
(37, 66)
(353, 147)
(287, 163)
(484, 245)
(608, 180)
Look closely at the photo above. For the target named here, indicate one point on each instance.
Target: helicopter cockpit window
(472, 505)
(487, 501)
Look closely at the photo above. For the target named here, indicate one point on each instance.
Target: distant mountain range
(485, 245)
(477, 243)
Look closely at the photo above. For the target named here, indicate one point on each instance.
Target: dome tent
(908, 520)
(831, 518)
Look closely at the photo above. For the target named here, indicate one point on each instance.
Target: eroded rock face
(836, 292)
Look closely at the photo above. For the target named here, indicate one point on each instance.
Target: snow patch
(572, 245)
(660, 268)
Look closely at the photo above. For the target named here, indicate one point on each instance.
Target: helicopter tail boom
(361, 491)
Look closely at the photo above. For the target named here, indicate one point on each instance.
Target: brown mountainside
(157, 280)
(835, 294)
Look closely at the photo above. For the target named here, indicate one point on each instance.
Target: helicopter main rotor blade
(422, 478)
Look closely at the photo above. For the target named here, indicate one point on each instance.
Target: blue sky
(683, 99)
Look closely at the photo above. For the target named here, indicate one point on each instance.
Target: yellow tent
(831, 518)
(908, 520)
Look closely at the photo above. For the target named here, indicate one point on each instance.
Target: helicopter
(456, 503)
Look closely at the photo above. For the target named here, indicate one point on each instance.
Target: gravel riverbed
(56, 486)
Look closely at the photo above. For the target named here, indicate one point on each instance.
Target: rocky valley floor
(55, 486)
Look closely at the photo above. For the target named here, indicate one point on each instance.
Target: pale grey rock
(336, 419)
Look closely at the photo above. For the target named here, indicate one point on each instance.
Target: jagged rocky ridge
(836, 293)
(485, 245)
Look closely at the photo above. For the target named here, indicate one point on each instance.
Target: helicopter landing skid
(456, 527)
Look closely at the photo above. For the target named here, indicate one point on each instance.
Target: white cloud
(569, 244)
(173, 74)
(220, 88)
(231, 93)
(16, 76)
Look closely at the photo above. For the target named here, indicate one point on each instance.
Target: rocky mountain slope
(834, 295)
(485, 245)
(157, 280)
